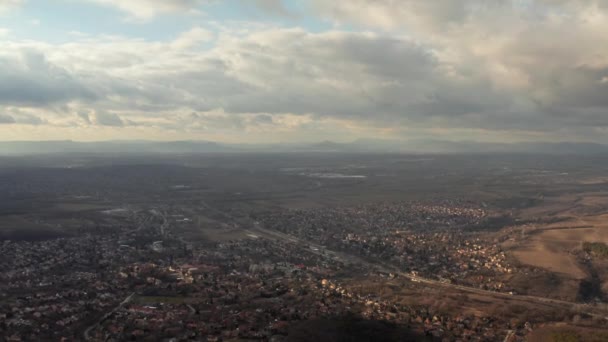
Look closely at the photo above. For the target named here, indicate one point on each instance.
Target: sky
(272, 71)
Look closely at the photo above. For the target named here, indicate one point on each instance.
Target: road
(351, 259)
(126, 301)
(257, 229)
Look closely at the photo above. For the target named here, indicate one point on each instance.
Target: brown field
(594, 180)
(569, 333)
(456, 302)
(550, 250)
(553, 246)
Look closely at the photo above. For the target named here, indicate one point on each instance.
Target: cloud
(192, 38)
(7, 5)
(104, 118)
(504, 45)
(148, 9)
(263, 119)
(276, 7)
(390, 14)
(84, 116)
(295, 71)
(6, 119)
(415, 65)
(28, 79)
(24, 118)
(380, 80)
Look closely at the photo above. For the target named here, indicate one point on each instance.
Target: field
(557, 246)
(568, 333)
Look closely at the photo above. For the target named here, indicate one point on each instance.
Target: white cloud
(491, 66)
(148, 9)
(7, 5)
(6, 119)
(276, 7)
(30, 80)
(192, 38)
(104, 118)
(396, 14)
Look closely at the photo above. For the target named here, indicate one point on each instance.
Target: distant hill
(357, 146)
(110, 147)
(439, 146)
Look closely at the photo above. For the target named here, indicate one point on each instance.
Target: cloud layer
(6, 5)
(519, 70)
(148, 9)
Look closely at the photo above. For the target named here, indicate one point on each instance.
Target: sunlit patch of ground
(553, 246)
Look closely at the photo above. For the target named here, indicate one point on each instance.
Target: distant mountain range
(110, 147)
(357, 146)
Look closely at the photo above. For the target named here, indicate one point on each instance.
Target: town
(250, 289)
(439, 241)
(116, 266)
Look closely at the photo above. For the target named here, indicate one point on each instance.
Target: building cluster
(144, 282)
(256, 289)
(51, 289)
(434, 216)
(436, 241)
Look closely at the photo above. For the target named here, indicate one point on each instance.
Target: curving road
(126, 301)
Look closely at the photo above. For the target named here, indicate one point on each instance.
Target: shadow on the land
(351, 329)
